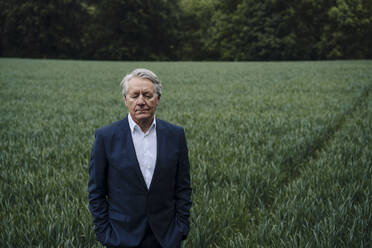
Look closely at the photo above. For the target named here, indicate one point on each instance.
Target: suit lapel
(160, 144)
(125, 136)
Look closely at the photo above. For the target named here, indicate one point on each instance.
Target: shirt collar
(133, 126)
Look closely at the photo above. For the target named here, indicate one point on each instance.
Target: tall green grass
(280, 152)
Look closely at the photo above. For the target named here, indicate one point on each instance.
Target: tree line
(186, 29)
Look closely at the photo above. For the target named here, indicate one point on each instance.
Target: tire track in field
(292, 165)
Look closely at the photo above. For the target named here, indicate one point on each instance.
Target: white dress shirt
(145, 147)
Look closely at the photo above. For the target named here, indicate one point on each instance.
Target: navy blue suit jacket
(119, 200)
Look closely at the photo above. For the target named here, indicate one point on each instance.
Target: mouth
(142, 111)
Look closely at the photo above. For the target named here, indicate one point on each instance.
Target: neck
(144, 124)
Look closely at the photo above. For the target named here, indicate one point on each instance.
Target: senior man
(139, 185)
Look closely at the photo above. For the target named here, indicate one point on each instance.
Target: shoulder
(113, 127)
(169, 126)
(171, 131)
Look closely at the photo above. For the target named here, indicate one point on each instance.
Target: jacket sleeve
(183, 188)
(97, 188)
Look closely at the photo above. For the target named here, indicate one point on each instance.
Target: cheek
(155, 104)
(129, 105)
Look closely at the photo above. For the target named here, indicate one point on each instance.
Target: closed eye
(148, 96)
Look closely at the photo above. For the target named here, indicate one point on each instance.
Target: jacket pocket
(118, 216)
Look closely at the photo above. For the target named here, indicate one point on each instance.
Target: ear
(125, 100)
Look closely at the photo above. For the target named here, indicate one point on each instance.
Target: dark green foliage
(187, 29)
(48, 29)
(195, 23)
(136, 29)
(292, 30)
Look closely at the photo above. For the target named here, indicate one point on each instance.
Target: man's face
(141, 99)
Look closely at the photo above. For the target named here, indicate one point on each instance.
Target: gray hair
(141, 73)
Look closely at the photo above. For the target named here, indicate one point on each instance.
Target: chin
(142, 117)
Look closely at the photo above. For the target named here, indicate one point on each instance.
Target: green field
(281, 153)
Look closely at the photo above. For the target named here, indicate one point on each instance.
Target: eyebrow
(136, 92)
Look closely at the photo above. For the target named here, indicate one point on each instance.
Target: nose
(140, 100)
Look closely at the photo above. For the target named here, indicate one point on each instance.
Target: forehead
(140, 84)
